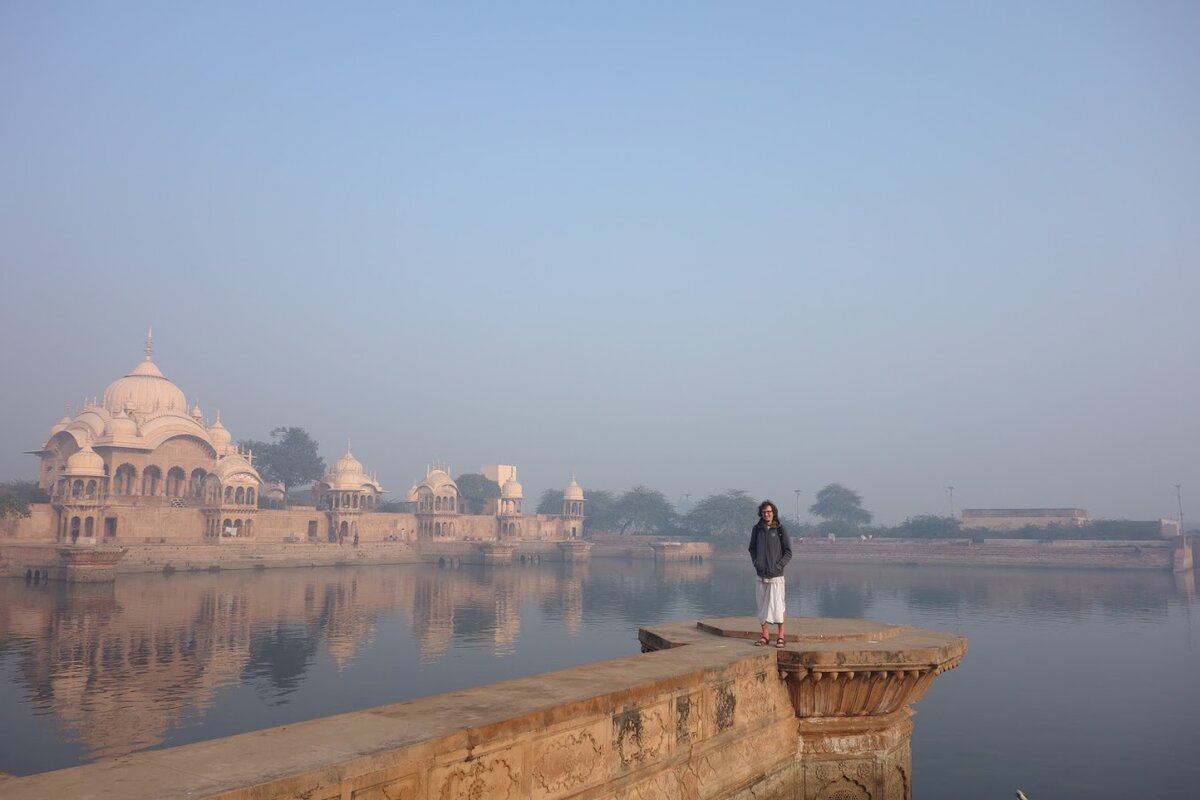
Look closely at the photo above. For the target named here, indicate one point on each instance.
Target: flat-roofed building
(1008, 519)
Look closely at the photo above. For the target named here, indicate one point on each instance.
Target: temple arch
(176, 482)
(151, 481)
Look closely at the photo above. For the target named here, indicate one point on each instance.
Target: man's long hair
(773, 507)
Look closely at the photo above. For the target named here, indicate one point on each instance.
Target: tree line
(725, 515)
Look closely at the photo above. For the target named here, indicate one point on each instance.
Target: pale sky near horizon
(694, 246)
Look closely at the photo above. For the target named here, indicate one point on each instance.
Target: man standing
(770, 550)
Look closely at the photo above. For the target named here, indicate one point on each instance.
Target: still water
(1077, 684)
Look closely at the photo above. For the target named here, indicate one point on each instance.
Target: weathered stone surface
(850, 684)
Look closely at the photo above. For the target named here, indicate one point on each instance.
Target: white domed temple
(141, 448)
(139, 466)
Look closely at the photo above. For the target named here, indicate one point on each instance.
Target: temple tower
(79, 496)
(573, 510)
(344, 494)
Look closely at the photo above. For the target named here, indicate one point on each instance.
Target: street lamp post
(950, 489)
(1179, 497)
(797, 506)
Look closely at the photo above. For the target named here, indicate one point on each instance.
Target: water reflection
(154, 661)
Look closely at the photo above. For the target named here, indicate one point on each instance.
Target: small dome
(436, 479)
(347, 466)
(348, 474)
(219, 434)
(62, 425)
(237, 469)
(573, 491)
(85, 463)
(197, 414)
(120, 425)
(511, 490)
(411, 495)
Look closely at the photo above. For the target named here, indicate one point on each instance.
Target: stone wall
(38, 526)
(155, 520)
(683, 723)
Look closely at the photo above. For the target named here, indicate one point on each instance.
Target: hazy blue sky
(696, 246)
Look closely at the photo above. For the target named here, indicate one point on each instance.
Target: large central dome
(145, 390)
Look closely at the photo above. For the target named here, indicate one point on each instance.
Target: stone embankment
(17, 559)
(995, 553)
(48, 559)
(1163, 554)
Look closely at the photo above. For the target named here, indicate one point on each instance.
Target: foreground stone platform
(702, 713)
(850, 683)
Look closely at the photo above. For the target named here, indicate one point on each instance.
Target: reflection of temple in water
(120, 664)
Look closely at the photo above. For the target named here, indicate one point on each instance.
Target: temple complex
(138, 465)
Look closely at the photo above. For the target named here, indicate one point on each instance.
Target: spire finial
(149, 342)
(348, 446)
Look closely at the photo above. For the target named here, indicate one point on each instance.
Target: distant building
(1008, 519)
(1169, 527)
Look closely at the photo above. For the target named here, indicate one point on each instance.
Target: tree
(841, 508)
(927, 526)
(11, 502)
(600, 511)
(476, 490)
(551, 502)
(28, 491)
(290, 458)
(644, 510)
(731, 513)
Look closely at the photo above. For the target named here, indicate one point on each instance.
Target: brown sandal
(779, 642)
(761, 641)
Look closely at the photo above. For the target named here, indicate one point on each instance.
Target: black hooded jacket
(770, 550)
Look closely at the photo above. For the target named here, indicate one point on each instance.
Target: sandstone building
(139, 465)
(1010, 519)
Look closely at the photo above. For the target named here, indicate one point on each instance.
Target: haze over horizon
(693, 247)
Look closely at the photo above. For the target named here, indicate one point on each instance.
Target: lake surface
(1077, 684)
